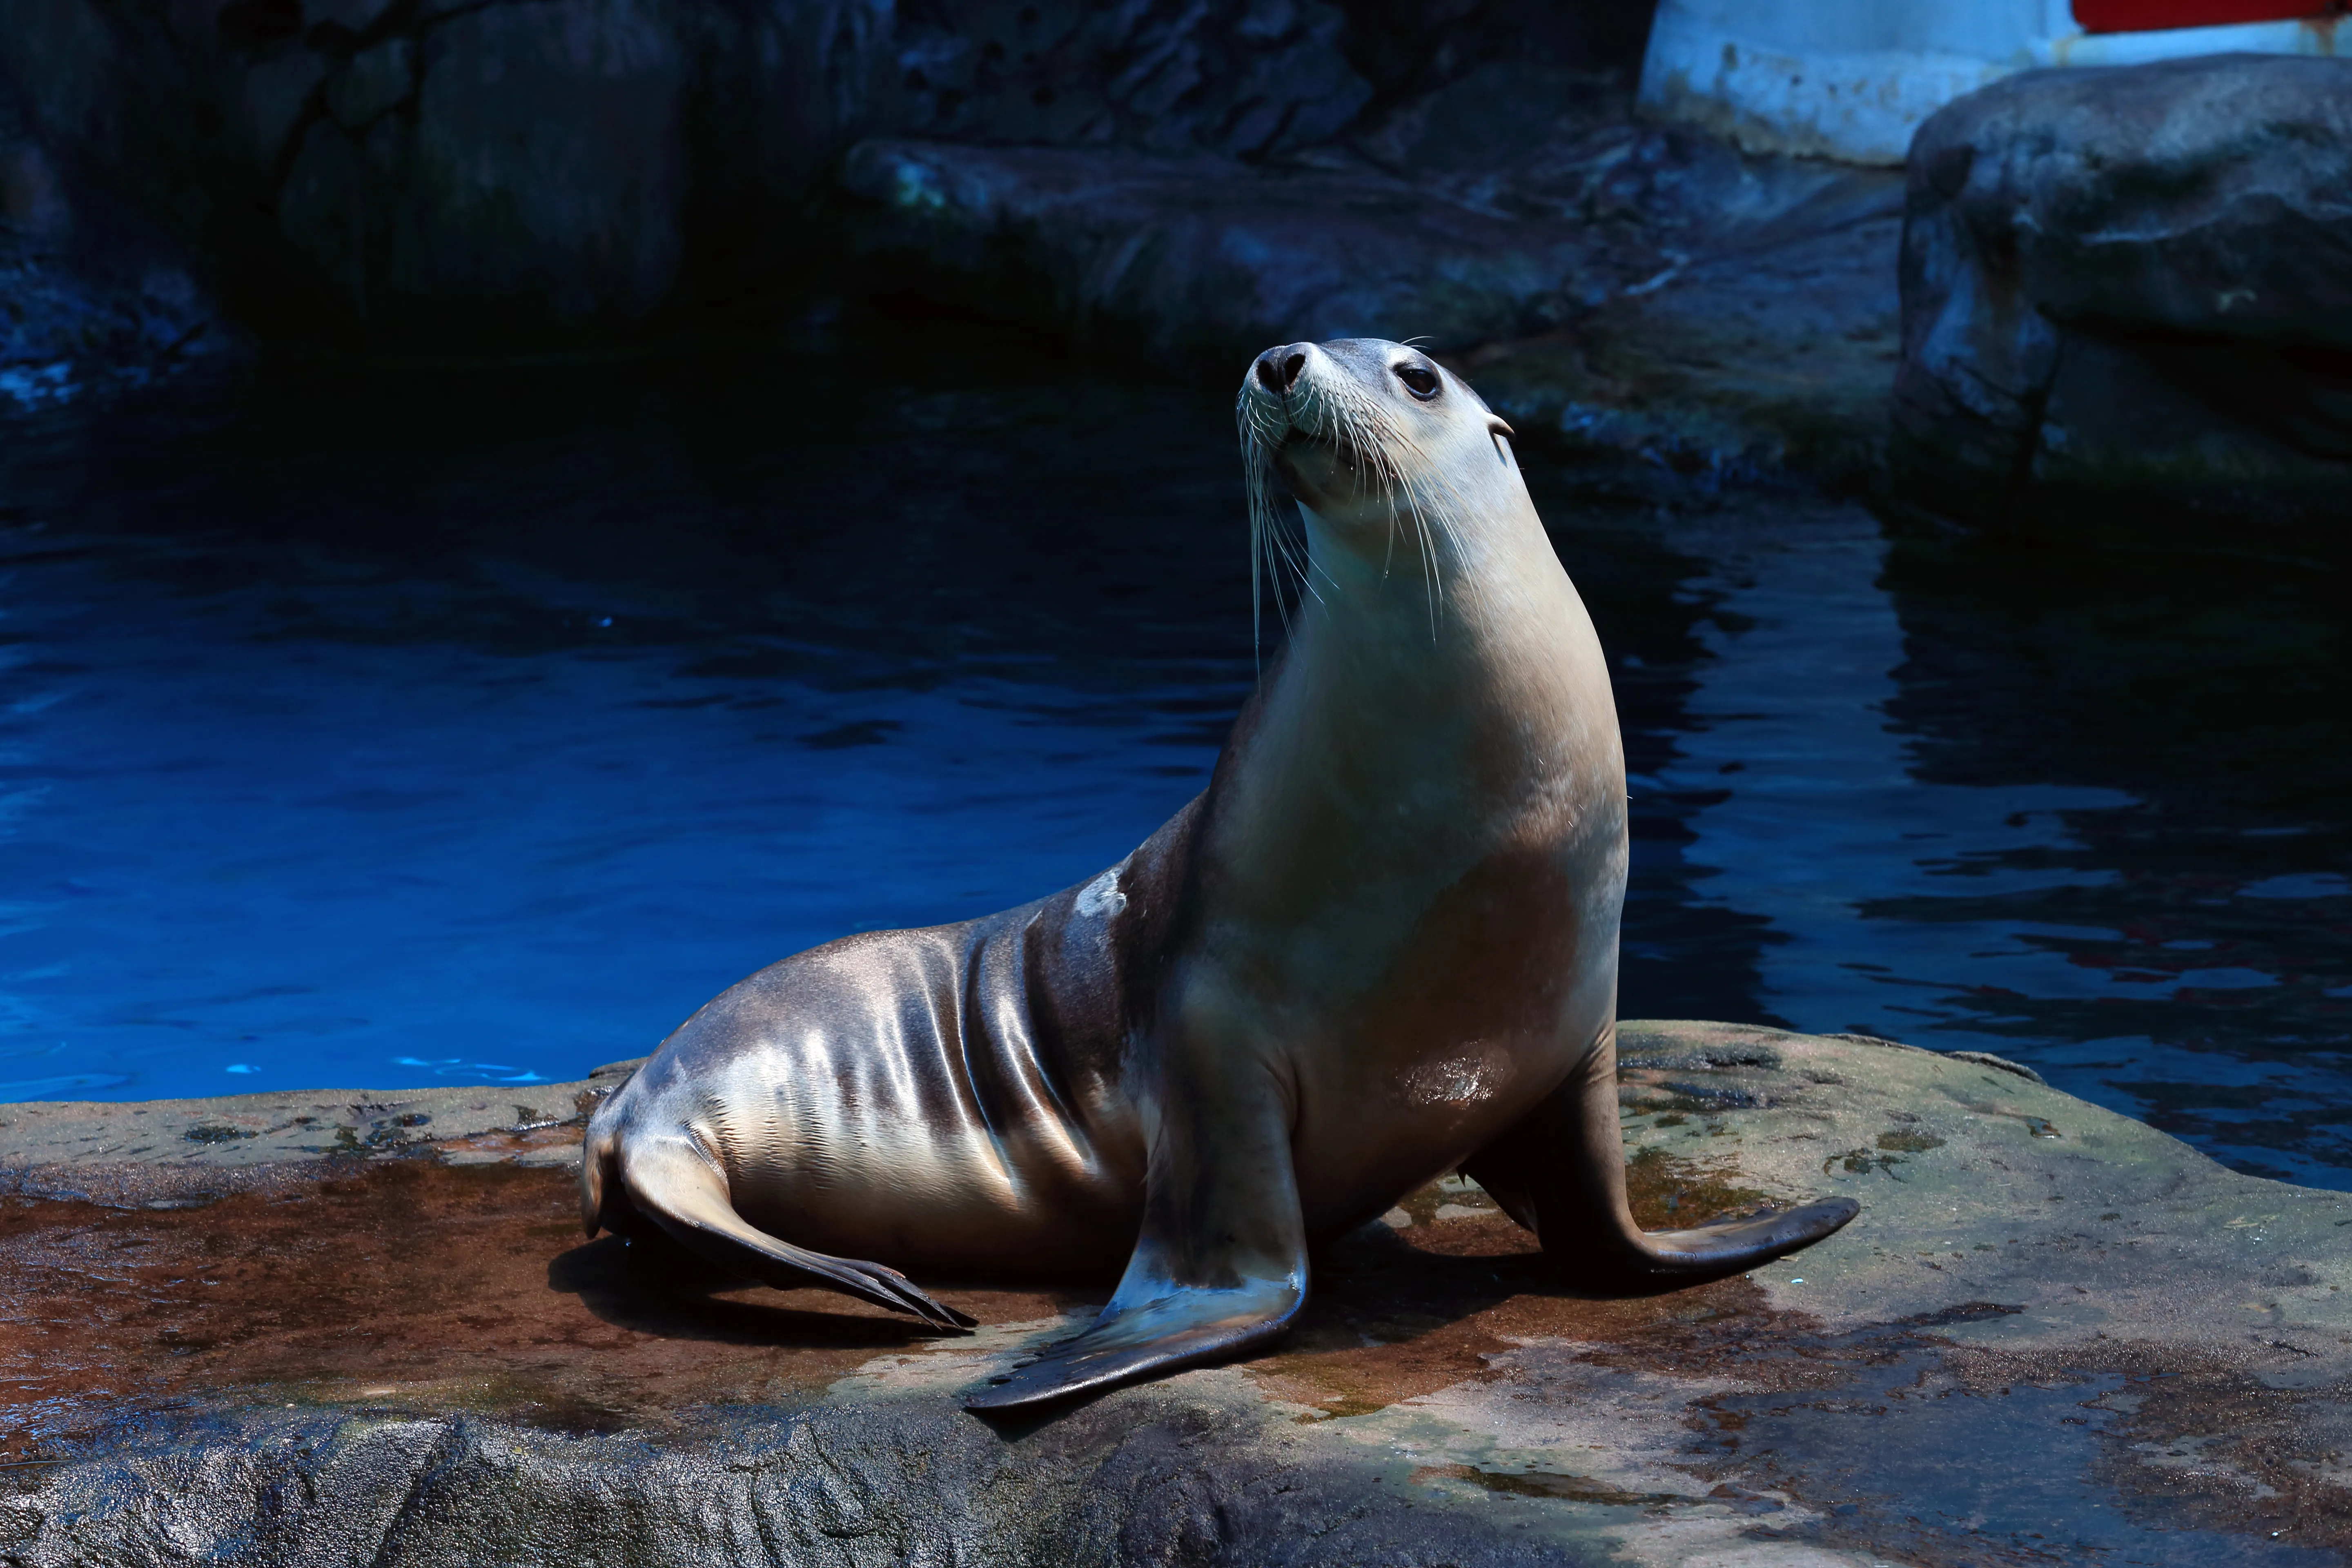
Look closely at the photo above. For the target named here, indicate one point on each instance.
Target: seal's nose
(1277, 369)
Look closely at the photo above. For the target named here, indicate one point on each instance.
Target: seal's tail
(666, 1177)
(1561, 1174)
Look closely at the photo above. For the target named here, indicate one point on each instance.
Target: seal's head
(1371, 439)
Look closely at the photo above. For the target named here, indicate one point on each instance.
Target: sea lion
(1381, 945)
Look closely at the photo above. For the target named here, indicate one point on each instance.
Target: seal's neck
(1413, 721)
(1411, 602)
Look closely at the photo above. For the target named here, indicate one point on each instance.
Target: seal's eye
(1419, 380)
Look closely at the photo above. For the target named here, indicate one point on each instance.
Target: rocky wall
(503, 172)
(500, 175)
(77, 316)
(2128, 306)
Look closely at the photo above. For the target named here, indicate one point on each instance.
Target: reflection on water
(1917, 825)
(365, 730)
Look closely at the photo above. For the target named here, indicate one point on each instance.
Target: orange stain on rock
(407, 1283)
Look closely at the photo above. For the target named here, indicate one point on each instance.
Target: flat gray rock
(168, 1145)
(2054, 1334)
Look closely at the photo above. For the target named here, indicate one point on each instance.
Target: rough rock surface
(72, 321)
(1184, 181)
(2054, 1334)
(67, 328)
(1245, 80)
(2127, 304)
(511, 174)
(502, 173)
(1630, 287)
(1766, 351)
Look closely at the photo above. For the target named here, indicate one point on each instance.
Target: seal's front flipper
(1222, 1261)
(1560, 1171)
(1141, 1335)
(673, 1183)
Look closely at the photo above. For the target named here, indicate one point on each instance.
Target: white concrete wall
(1853, 78)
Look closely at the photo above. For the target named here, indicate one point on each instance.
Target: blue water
(366, 728)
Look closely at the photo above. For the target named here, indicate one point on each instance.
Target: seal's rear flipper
(1560, 1171)
(1222, 1261)
(671, 1182)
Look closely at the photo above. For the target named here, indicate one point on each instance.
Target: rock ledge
(2053, 1331)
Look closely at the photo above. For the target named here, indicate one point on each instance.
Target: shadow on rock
(651, 1286)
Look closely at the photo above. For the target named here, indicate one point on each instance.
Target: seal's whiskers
(1388, 462)
(1388, 453)
(1274, 556)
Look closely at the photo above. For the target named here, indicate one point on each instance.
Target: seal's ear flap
(1499, 429)
(1222, 1262)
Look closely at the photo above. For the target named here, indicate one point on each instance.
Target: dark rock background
(1517, 212)
(2127, 302)
(505, 173)
(2126, 305)
(77, 314)
(515, 175)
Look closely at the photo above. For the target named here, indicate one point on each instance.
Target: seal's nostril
(1278, 368)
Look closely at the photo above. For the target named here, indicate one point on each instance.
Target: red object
(2152, 16)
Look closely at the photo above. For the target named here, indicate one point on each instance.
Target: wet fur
(1381, 944)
